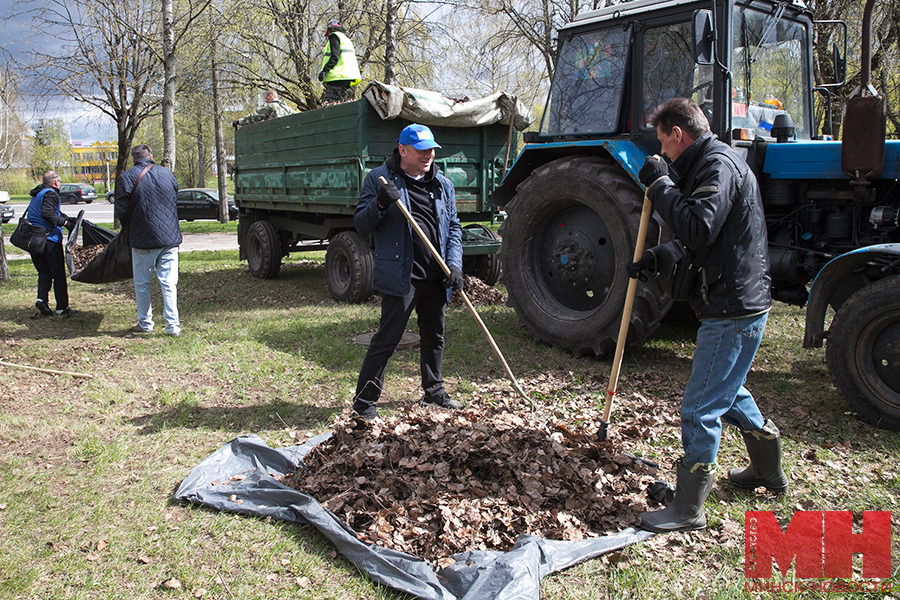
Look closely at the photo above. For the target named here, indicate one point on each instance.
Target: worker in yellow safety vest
(340, 71)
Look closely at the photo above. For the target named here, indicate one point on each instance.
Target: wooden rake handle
(646, 211)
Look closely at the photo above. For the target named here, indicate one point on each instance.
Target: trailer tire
(263, 250)
(485, 267)
(349, 268)
(570, 230)
(862, 352)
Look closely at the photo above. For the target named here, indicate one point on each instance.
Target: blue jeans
(163, 262)
(715, 391)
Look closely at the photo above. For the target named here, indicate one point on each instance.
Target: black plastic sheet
(483, 575)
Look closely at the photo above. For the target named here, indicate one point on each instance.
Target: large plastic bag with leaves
(241, 477)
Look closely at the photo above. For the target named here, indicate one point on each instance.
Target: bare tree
(106, 62)
(11, 126)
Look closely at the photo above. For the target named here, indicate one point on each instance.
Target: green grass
(88, 466)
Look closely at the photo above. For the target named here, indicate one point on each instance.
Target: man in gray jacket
(715, 203)
(145, 202)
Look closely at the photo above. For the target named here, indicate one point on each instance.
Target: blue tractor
(574, 201)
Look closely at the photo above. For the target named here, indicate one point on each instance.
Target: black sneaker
(65, 312)
(441, 399)
(42, 306)
(369, 413)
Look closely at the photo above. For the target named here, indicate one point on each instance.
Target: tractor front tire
(570, 231)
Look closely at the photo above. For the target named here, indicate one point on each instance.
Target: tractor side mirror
(840, 64)
(702, 34)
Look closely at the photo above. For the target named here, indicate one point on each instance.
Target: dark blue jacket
(710, 201)
(154, 217)
(44, 212)
(393, 234)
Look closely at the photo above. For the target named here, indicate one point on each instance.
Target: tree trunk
(217, 119)
(390, 76)
(4, 267)
(168, 104)
(201, 151)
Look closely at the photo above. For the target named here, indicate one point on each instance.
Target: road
(98, 211)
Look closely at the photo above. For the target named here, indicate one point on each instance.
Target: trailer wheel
(570, 230)
(349, 269)
(485, 267)
(863, 352)
(263, 250)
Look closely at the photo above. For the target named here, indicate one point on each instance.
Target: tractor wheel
(485, 267)
(263, 250)
(863, 352)
(349, 269)
(570, 230)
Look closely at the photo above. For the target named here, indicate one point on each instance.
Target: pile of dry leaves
(478, 292)
(433, 483)
(82, 255)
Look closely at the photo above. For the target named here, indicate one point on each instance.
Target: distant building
(95, 163)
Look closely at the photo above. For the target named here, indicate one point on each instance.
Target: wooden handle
(51, 371)
(646, 211)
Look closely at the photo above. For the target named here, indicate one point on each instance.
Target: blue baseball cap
(417, 136)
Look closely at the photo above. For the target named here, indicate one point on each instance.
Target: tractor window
(769, 69)
(588, 86)
(670, 72)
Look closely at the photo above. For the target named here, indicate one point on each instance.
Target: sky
(87, 124)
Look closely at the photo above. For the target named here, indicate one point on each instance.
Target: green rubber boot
(764, 449)
(685, 512)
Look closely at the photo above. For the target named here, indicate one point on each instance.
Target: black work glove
(235, 123)
(654, 168)
(636, 270)
(387, 195)
(455, 280)
(321, 75)
(69, 224)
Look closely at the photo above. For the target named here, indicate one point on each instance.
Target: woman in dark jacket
(43, 211)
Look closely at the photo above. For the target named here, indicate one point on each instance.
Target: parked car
(202, 203)
(7, 212)
(111, 196)
(73, 193)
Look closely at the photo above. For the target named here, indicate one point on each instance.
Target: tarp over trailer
(477, 574)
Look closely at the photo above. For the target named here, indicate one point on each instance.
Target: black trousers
(51, 268)
(429, 298)
(337, 91)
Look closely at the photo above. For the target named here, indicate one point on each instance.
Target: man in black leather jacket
(716, 203)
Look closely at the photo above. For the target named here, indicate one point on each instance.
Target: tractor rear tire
(349, 268)
(570, 231)
(263, 250)
(862, 352)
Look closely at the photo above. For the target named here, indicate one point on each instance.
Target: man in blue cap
(406, 274)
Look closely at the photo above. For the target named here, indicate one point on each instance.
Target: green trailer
(298, 178)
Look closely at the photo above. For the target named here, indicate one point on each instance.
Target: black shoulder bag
(28, 236)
